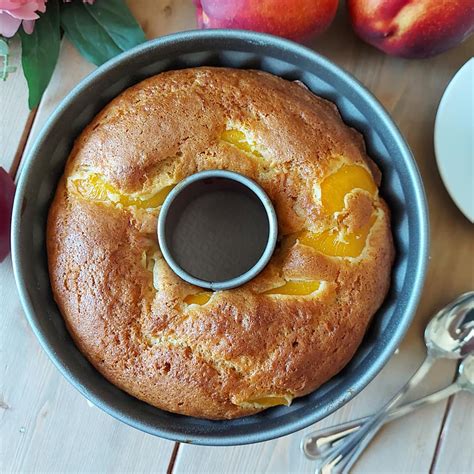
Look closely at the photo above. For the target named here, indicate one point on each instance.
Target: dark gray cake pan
(401, 187)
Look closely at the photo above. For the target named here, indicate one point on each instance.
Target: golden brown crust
(124, 307)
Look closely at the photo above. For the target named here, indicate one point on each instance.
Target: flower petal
(28, 26)
(10, 4)
(23, 9)
(24, 13)
(8, 25)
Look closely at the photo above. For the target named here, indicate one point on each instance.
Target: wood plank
(163, 17)
(38, 405)
(46, 425)
(456, 453)
(15, 117)
(411, 93)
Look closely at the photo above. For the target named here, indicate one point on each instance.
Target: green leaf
(102, 30)
(40, 51)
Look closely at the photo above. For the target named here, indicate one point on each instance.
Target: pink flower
(14, 12)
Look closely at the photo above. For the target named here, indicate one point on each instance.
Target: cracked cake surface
(228, 353)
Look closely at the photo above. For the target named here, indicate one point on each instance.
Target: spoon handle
(376, 421)
(347, 462)
(317, 443)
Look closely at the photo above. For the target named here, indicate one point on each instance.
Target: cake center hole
(217, 229)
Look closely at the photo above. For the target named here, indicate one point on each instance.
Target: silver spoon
(317, 443)
(466, 378)
(450, 334)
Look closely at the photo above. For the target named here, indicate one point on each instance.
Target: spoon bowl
(450, 334)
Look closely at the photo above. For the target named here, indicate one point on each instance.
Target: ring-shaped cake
(229, 353)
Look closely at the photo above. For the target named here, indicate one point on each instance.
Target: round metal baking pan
(401, 187)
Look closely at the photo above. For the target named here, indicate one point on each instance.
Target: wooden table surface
(47, 426)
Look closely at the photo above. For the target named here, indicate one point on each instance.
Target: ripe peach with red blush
(293, 19)
(412, 29)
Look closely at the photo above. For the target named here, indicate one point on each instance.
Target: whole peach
(293, 19)
(412, 28)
